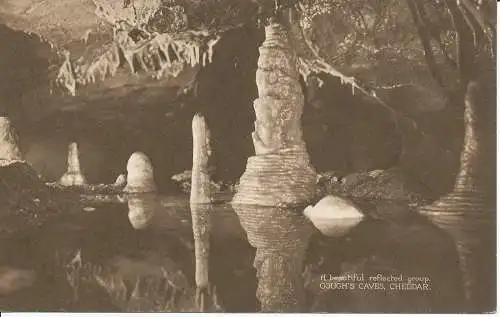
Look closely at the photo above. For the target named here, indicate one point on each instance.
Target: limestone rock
(9, 143)
(334, 216)
(140, 178)
(73, 176)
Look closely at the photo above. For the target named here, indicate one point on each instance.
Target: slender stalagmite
(73, 176)
(9, 143)
(200, 200)
(277, 179)
(467, 213)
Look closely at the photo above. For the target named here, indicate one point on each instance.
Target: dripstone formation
(73, 176)
(277, 178)
(280, 172)
(140, 178)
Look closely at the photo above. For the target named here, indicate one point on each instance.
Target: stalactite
(188, 47)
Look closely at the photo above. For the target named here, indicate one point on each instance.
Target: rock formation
(201, 210)
(121, 180)
(140, 178)
(9, 143)
(280, 172)
(334, 216)
(200, 179)
(73, 176)
(278, 175)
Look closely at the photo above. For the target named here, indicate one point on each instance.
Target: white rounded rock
(334, 216)
(140, 178)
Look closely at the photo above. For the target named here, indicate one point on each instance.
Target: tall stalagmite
(9, 143)
(280, 172)
(73, 176)
(200, 178)
(277, 179)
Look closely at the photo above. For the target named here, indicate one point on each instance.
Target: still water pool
(139, 256)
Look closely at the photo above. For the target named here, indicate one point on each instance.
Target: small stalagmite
(73, 176)
(9, 143)
(120, 181)
(140, 178)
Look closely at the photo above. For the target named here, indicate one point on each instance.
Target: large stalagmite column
(280, 172)
(279, 175)
(9, 143)
(73, 176)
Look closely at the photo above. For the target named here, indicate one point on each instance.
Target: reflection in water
(281, 237)
(157, 266)
(474, 233)
(201, 215)
(141, 209)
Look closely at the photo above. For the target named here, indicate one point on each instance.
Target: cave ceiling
(103, 66)
(43, 34)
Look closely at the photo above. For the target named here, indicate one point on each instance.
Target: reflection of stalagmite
(140, 178)
(201, 209)
(200, 180)
(281, 237)
(9, 143)
(141, 209)
(201, 217)
(73, 176)
(279, 175)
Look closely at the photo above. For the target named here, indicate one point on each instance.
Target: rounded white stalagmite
(140, 178)
(73, 176)
(9, 142)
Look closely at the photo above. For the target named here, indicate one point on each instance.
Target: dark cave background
(343, 132)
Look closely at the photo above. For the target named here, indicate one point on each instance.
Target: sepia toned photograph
(303, 156)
